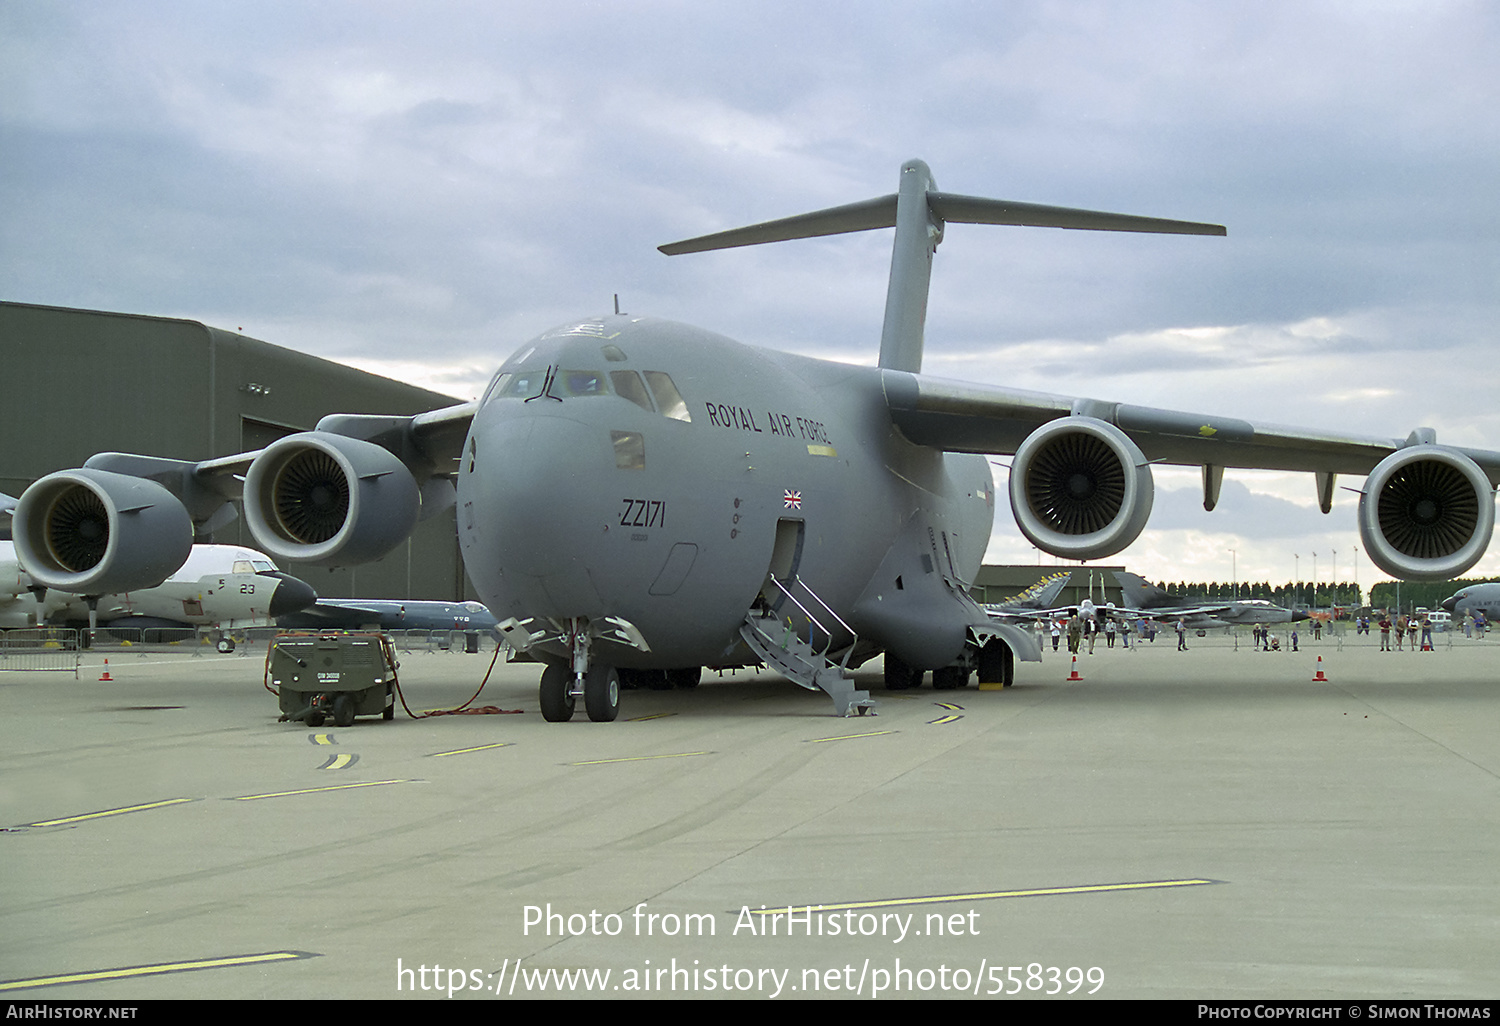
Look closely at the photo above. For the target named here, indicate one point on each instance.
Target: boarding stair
(778, 645)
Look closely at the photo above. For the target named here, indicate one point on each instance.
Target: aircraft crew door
(786, 554)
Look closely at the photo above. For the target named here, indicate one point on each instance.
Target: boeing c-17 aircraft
(224, 587)
(1145, 599)
(638, 494)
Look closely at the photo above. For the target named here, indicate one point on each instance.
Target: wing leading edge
(959, 416)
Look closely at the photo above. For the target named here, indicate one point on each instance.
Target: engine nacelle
(1080, 488)
(1426, 513)
(327, 499)
(93, 532)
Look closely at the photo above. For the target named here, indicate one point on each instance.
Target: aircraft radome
(635, 494)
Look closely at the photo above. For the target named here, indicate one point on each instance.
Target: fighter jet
(1145, 599)
(223, 587)
(1035, 603)
(390, 615)
(638, 494)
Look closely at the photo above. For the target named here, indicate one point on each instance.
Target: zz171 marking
(643, 513)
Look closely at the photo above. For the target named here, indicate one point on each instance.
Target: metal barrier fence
(41, 648)
(1335, 637)
(444, 641)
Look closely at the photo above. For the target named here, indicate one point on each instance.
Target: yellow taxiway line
(154, 970)
(111, 812)
(937, 899)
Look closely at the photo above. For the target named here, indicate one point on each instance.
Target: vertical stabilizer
(918, 232)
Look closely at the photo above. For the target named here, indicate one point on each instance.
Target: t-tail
(919, 213)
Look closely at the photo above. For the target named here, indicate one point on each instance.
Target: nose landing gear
(596, 682)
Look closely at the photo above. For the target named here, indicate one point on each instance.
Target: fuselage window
(628, 384)
(668, 399)
(630, 450)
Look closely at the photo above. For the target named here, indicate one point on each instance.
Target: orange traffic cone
(106, 675)
(1320, 676)
(1074, 674)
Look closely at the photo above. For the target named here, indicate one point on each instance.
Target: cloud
(431, 185)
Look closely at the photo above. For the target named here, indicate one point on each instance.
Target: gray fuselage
(655, 472)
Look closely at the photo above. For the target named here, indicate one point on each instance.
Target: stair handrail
(827, 634)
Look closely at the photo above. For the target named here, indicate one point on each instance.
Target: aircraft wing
(1081, 487)
(963, 417)
(433, 439)
(299, 493)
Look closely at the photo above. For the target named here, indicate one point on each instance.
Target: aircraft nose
(538, 494)
(291, 595)
(1450, 603)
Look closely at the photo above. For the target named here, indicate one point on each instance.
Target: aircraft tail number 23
(643, 513)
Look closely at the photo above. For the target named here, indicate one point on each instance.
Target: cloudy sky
(419, 188)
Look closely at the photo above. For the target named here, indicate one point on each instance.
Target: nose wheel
(601, 693)
(593, 680)
(557, 694)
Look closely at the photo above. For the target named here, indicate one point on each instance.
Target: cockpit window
(242, 566)
(517, 385)
(668, 399)
(613, 353)
(581, 382)
(628, 384)
(263, 566)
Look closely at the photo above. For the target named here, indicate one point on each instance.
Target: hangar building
(77, 382)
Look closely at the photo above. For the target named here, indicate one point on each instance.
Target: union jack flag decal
(793, 500)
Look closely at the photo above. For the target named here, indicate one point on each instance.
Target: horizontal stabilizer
(855, 217)
(977, 210)
(919, 213)
(947, 206)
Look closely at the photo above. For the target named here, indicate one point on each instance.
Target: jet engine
(1080, 488)
(93, 532)
(1426, 513)
(328, 499)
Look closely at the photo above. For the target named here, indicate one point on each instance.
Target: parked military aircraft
(1143, 598)
(223, 587)
(390, 615)
(1036, 602)
(635, 493)
(1475, 598)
